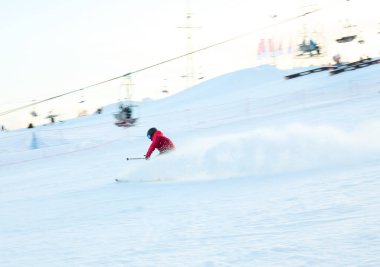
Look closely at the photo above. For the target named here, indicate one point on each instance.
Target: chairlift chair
(309, 48)
(123, 118)
(346, 39)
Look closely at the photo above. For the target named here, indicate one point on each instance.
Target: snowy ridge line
(250, 102)
(249, 97)
(61, 153)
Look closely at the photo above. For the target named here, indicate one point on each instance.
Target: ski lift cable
(57, 96)
(161, 63)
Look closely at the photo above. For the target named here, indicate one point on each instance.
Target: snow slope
(267, 172)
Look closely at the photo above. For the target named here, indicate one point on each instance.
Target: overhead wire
(159, 63)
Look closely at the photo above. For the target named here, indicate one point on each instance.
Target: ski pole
(134, 158)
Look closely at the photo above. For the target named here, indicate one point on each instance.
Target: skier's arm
(152, 147)
(150, 151)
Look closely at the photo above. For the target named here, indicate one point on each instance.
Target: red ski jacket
(161, 142)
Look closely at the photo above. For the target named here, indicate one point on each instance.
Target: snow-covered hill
(267, 172)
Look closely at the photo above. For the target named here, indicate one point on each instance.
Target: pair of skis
(139, 181)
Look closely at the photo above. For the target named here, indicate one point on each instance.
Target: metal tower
(189, 58)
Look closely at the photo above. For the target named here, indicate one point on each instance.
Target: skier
(338, 63)
(124, 117)
(159, 141)
(128, 112)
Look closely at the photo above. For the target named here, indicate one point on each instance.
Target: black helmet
(151, 132)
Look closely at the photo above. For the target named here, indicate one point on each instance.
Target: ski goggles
(148, 135)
